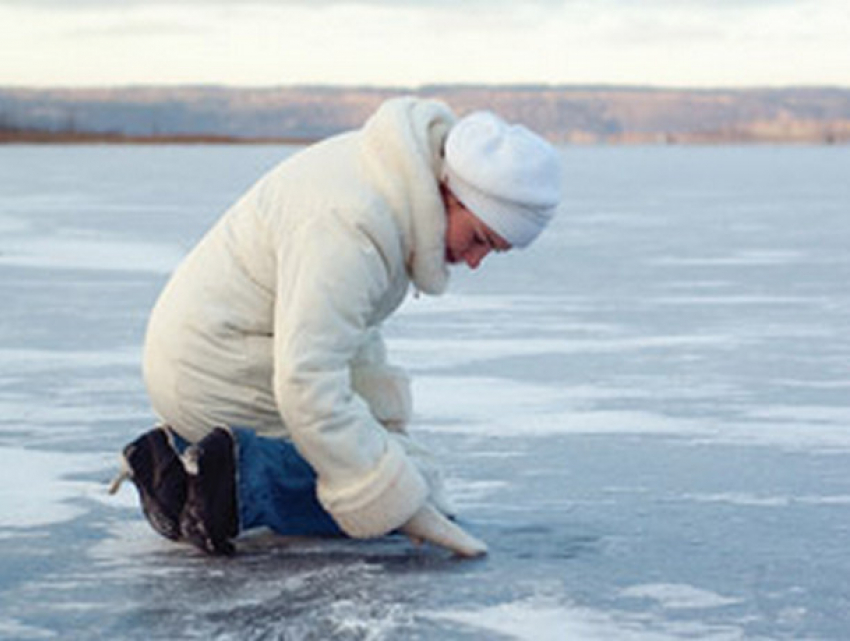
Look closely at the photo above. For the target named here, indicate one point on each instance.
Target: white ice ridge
(504, 407)
(35, 488)
(756, 500)
(443, 353)
(13, 629)
(536, 619)
(97, 254)
(742, 258)
(675, 596)
(501, 407)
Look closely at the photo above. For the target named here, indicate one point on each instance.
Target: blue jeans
(276, 487)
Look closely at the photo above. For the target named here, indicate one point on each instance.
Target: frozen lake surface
(646, 415)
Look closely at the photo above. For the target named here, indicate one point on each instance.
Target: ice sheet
(645, 414)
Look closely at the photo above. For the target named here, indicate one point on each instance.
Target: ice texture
(646, 414)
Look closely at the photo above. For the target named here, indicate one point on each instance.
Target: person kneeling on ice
(263, 355)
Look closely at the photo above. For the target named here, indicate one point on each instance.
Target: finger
(430, 525)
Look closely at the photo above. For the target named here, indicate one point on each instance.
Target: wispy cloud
(317, 4)
(411, 42)
(70, 5)
(136, 29)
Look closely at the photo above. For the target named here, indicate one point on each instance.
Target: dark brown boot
(209, 518)
(155, 468)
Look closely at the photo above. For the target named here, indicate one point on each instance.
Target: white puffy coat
(272, 321)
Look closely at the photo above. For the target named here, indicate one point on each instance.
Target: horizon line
(435, 86)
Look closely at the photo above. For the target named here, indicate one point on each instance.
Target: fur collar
(402, 152)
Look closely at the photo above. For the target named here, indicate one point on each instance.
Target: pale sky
(407, 43)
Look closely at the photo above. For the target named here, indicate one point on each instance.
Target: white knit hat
(506, 175)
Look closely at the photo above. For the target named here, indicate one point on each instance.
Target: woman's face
(468, 239)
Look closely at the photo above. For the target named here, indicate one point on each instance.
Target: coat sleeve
(385, 387)
(329, 284)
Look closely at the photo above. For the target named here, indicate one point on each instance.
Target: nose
(475, 255)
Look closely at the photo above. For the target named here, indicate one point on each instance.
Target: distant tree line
(571, 114)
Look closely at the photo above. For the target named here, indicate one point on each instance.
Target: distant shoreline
(47, 137)
(96, 138)
(44, 137)
(564, 115)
